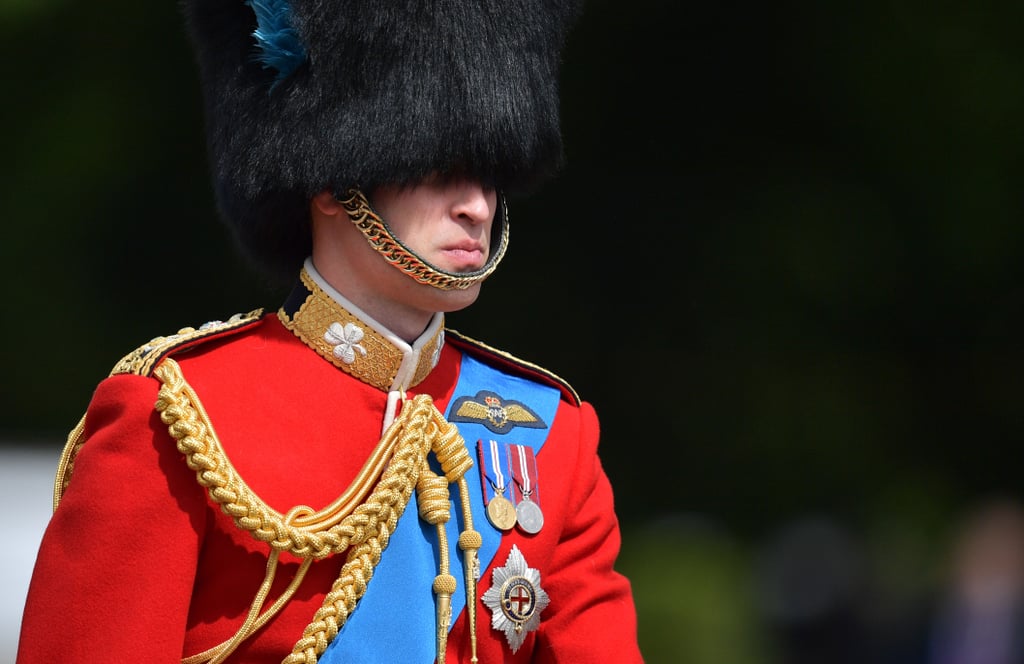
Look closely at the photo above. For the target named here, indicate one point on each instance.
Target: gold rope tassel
(417, 427)
(432, 497)
(455, 461)
(361, 526)
(470, 542)
(359, 522)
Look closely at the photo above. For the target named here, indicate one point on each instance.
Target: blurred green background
(784, 262)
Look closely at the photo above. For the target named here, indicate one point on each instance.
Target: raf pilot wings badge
(488, 409)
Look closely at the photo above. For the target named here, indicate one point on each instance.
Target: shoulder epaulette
(142, 360)
(512, 363)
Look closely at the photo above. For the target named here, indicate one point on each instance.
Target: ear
(326, 204)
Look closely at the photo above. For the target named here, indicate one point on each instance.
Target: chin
(455, 300)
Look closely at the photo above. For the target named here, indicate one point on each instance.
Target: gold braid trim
(455, 462)
(421, 428)
(432, 497)
(470, 542)
(140, 361)
(359, 523)
(365, 531)
(346, 522)
(66, 465)
(254, 620)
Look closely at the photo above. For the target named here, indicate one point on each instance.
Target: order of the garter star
(515, 599)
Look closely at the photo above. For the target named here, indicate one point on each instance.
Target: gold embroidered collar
(355, 343)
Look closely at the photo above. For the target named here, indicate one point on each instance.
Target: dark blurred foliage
(784, 260)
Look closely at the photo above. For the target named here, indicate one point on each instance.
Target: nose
(474, 203)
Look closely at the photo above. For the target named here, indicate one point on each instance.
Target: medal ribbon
(524, 472)
(495, 467)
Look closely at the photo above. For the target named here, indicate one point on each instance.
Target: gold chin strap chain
(378, 234)
(360, 521)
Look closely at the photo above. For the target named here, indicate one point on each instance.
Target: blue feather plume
(279, 45)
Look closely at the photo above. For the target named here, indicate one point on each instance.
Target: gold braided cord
(377, 233)
(313, 534)
(66, 465)
(139, 362)
(359, 523)
(255, 620)
(432, 500)
(432, 496)
(455, 460)
(470, 542)
(418, 426)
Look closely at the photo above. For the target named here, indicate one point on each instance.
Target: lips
(465, 256)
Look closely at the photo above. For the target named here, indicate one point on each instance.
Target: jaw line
(378, 234)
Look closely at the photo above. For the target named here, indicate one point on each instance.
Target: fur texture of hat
(383, 92)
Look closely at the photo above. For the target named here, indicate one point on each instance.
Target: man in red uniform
(344, 479)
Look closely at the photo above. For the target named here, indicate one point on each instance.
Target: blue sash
(395, 621)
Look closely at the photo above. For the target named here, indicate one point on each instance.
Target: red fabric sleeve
(114, 572)
(592, 615)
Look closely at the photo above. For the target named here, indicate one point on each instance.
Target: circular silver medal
(528, 516)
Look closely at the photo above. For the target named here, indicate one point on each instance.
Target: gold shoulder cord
(360, 521)
(140, 362)
(67, 461)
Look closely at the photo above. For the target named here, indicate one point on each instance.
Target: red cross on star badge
(515, 599)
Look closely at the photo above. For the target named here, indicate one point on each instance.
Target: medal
(500, 510)
(524, 471)
(528, 516)
(515, 599)
(502, 513)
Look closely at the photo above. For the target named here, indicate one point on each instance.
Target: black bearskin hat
(307, 95)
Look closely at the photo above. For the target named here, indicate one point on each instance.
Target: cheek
(417, 237)
(405, 221)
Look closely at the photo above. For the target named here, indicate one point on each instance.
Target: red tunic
(138, 564)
